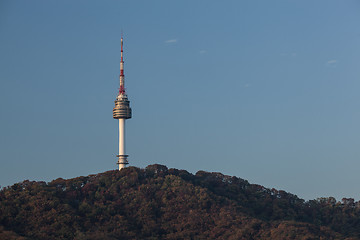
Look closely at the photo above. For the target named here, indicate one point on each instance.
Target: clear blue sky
(264, 90)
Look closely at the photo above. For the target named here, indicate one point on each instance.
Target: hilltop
(161, 203)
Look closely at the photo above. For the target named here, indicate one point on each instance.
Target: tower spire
(122, 76)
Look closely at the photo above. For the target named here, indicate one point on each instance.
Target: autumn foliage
(161, 203)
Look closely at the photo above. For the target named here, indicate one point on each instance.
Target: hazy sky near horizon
(264, 90)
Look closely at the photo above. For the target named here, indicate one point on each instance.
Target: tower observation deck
(122, 111)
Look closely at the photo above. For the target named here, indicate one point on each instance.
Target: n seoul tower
(122, 111)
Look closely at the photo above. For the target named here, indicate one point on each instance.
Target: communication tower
(122, 111)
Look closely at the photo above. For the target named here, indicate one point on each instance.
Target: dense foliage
(161, 203)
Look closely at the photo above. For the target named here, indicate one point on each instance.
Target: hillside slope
(161, 203)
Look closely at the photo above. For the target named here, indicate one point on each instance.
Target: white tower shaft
(122, 155)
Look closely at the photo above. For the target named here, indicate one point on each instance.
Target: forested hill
(161, 203)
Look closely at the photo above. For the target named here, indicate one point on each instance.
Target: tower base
(122, 161)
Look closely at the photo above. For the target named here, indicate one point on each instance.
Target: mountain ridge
(161, 203)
